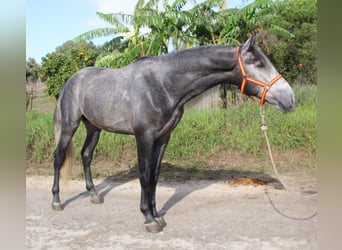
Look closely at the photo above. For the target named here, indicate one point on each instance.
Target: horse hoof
(161, 221)
(153, 227)
(96, 199)
(57, 206)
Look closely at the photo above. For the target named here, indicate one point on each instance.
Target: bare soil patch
(201, 214)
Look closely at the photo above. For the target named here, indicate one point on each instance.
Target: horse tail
(66, 169)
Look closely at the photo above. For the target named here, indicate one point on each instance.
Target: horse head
(261, 79)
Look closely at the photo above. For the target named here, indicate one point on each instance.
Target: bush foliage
(59, 66)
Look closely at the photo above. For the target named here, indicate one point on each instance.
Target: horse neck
(196, 70)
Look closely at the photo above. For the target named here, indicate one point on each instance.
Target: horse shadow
(170, 176)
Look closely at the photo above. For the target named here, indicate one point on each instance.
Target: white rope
(264, 130)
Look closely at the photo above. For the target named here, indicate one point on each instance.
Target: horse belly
(108, 114)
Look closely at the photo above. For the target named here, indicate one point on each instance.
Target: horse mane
(142, 58)
(198, 49)
(183, 52)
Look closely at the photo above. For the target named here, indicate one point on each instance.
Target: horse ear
(248, 45)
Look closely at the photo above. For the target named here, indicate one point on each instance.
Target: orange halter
(246, 78)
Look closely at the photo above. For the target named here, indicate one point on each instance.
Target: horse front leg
(150, 153)
(158, 153)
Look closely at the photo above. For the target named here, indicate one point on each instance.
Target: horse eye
(254, 61)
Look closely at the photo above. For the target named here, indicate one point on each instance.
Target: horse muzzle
(282, 96)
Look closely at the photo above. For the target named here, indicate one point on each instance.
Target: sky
(50, 23)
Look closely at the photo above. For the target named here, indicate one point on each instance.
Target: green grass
(39, 136)
(200, 134)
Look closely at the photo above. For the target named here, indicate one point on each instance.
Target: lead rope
(264, 130)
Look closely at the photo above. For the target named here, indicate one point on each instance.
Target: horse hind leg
(64, 131)
(93, 135)
(62, 154)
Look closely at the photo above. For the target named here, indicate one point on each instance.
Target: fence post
(31, 98)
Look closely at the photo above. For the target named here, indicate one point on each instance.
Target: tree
(152, 31)
(255, 16)
(126, 45)
(167, 27)
(296, 58)
(207, 21)
(32, 70)
(59, 66)
(145, 33)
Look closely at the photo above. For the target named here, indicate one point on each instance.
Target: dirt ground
(200, 214)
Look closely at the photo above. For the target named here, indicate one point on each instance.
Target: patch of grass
(39, 136)
(198, 132)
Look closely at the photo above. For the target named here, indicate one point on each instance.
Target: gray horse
(146, 99)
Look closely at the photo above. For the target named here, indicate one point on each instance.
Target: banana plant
(255, 16)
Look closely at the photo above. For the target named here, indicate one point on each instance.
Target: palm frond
(151, 4)
(100, 32)
(277, 30)
(112, 60)
(230, 41)
(148, 17)
(115, 44)
(179, 4)
(116, 19)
